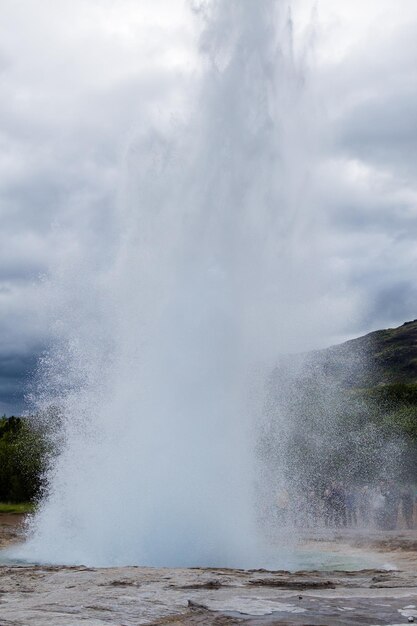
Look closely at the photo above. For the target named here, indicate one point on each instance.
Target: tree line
(22, 460)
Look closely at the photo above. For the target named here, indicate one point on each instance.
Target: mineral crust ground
(132, 596)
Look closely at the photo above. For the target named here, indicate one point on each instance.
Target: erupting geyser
(157, 366)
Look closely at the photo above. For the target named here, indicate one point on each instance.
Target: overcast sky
(77, 79)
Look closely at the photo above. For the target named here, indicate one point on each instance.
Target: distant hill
(393, 354)
(383, 357)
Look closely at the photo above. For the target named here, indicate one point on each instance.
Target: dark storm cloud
(16, 370)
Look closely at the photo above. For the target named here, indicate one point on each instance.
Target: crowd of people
(385, 505)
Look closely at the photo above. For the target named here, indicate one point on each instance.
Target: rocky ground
(131, 596)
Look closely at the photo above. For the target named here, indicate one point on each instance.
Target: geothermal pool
(312, 550)
(294, 560)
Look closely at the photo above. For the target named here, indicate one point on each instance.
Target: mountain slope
(379, 358)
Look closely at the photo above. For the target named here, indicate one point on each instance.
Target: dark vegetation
(348, 412)
(22, 458)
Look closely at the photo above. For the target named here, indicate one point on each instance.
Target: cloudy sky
(79, 77)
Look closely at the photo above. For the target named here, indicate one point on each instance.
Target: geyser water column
(155, 365)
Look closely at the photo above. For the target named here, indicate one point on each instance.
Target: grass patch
(14, 509)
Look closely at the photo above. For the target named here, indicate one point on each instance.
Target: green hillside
(348, 411)
(394, 354)
(379, 358)
(381, 367)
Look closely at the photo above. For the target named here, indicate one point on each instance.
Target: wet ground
(131, 596)
(10, 528)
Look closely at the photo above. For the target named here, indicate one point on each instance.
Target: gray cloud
(391, 301)
(384, 131)
(79, 80)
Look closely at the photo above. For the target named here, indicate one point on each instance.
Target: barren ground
(131, 596)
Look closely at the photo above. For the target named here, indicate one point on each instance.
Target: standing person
(364, 506)
(414, 508)
(407, 504)
(392, 501)
(328, 507)
(313, 512)
(339, 504)
(350, 505)
(379, 507)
